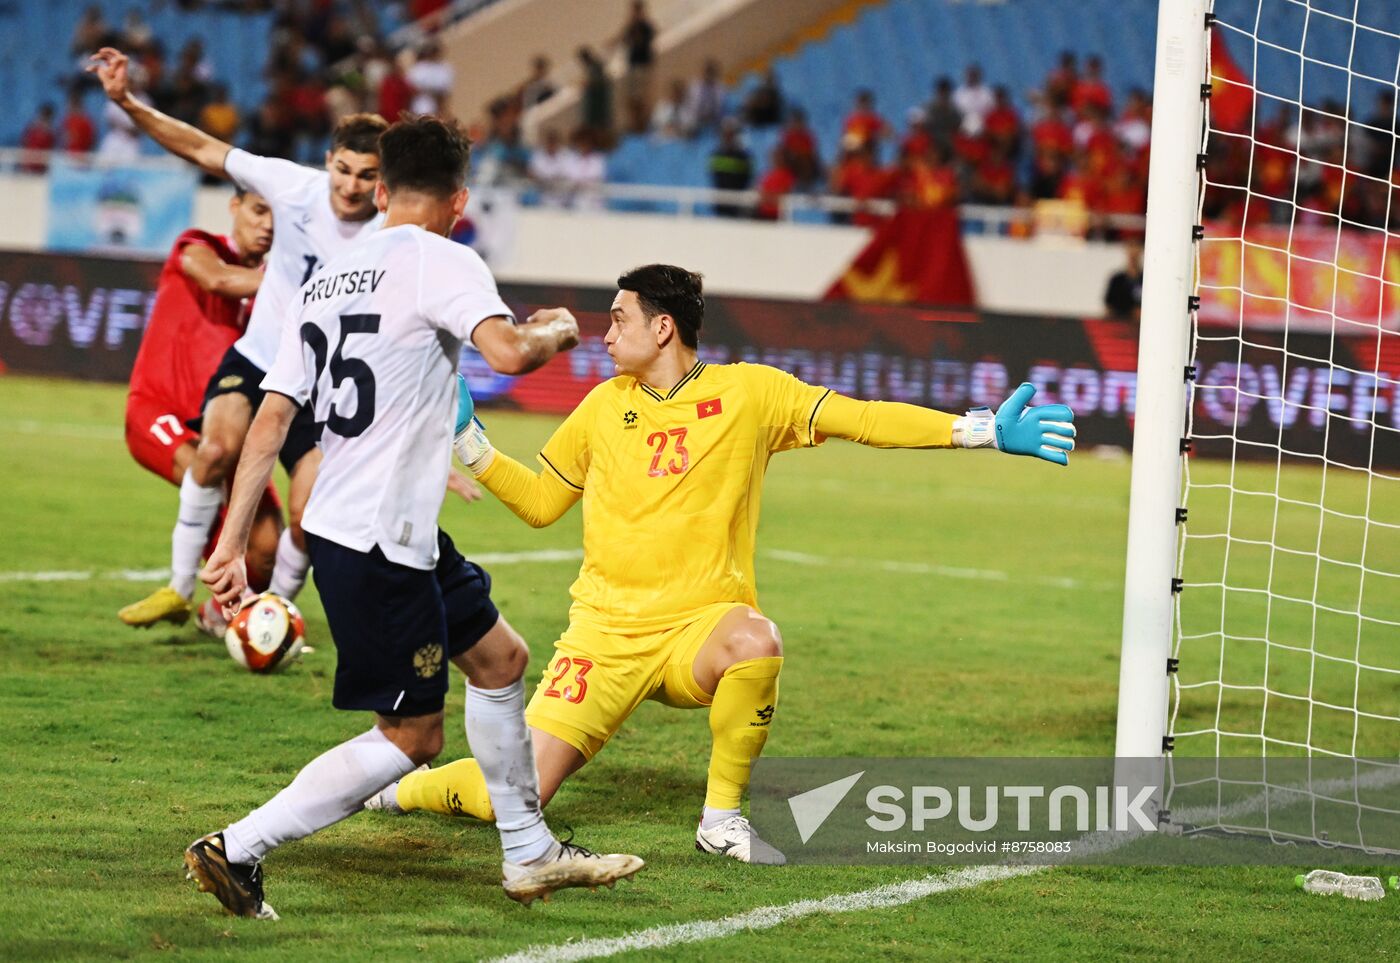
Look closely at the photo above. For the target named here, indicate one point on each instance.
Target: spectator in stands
(764, 105)
(39, 135)
(1002, 126)
(431, 78)
(799, 147)
(539, 87)
(707, 97)
(91, 33)
(774, 185)
(136, 32)
(1134, 127)
(339, 43)
(586, 170)
(550, 168)
(1047, 172)
(1060, 84)
(925, 179)
(1121, 196)
(597, 96)
(1380, 136)
(863, 125)
(860, 178)
(1091, 90)
(917, 140)
(1051, 131)
(672, 118)
(1123, 298)
(974, 101)
(271, 132)
(731, 167)
(638, 41)
(941, 114)
(79, 131)
(193, 62)
(396, 93)
(993, 181)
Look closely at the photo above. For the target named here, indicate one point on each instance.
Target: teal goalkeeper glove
(470, 442)
(1043, 431)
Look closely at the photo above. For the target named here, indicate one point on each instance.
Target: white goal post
(1173, 189)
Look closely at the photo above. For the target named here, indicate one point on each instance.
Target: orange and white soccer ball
(266, 635)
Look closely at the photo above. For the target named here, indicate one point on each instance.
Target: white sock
(331, 787)
(289, 571)
(500, 741)
(199, 507)
(711, 818)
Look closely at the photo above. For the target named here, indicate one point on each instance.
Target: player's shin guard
(500, 741)
(199, 507)
(330, 787)
(289, 571)
(456, 789)
(740, 715)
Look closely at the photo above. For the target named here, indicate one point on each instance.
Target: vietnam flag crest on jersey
(706, 409)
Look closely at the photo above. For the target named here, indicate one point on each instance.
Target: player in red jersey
(202, 301)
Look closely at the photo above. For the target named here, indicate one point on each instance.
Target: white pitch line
(925, 568)
(64, 430)
(767, 917)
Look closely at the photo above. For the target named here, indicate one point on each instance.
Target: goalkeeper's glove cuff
(473, 448)
(976, 429)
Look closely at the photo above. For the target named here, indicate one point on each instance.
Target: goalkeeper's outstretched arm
(538, 499)
(1044, 431)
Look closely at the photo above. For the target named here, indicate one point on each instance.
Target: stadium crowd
(967, 144)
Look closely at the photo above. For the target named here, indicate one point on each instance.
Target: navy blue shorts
(395, 627)
(237, 375)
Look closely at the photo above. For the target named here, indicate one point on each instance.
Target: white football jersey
(374, 341)
(306, 234)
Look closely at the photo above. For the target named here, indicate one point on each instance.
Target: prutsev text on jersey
(307, 236)
(374, 344)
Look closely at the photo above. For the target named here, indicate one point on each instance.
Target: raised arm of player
(1044, 431)
(176, 136)
(225, 573)
(517, 349)
(202, 266)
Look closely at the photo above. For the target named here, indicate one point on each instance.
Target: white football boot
(568, 864)
(736, 839)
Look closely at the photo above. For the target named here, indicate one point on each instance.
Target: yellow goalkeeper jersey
(671, 487)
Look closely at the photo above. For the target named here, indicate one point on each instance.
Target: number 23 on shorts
(568, 671)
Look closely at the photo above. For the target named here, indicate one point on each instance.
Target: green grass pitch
(117, 747)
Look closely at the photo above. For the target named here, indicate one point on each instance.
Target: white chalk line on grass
(767, 917)
(156, 574)
(64, 430)
(574, 555)
(941, 571)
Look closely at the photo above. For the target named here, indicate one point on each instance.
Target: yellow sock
(456, 789)
(739, 717)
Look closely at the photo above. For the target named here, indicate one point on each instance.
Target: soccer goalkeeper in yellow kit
(668, 458)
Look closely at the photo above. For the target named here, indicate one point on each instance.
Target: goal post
(1173, 200)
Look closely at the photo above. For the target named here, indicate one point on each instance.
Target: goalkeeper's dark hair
(425, 154)
(667, 289)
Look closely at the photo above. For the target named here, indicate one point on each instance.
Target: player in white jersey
(373, 343)
(319, 213)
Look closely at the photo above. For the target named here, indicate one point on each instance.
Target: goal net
(1286, 645)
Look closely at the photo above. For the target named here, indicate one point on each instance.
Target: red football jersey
(189, 331)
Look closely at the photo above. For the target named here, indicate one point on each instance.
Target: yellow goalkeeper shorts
(596, 679)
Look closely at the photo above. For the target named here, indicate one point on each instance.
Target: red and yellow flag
(916, 256)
